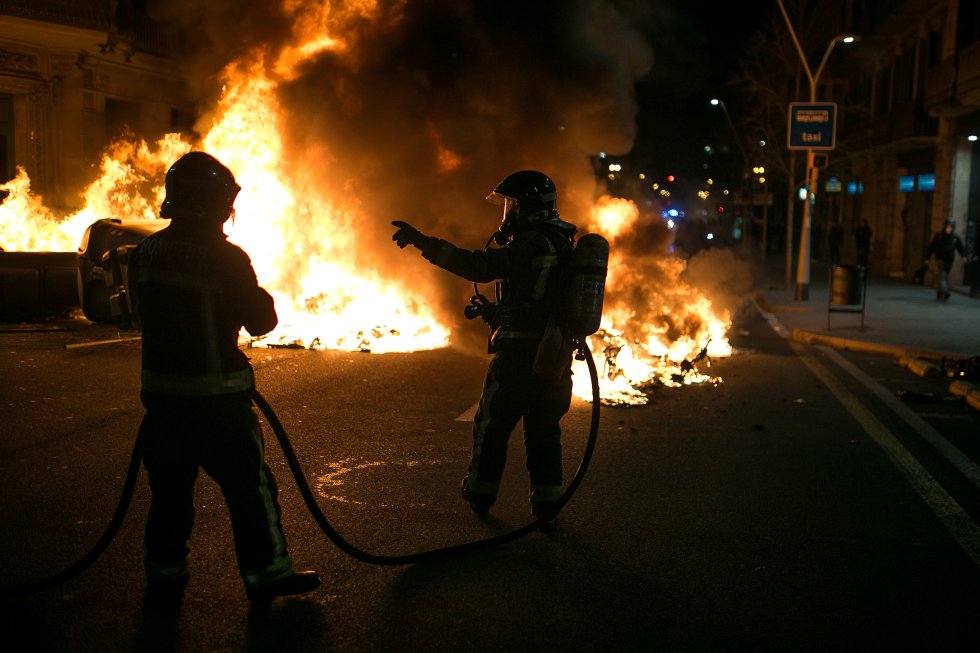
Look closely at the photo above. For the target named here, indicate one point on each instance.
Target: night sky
(696, 44)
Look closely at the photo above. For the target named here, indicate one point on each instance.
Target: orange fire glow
(303, 243)
(656, 328)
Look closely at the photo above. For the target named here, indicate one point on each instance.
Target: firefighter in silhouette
(193, 292)
(529, 376)
(944, 246)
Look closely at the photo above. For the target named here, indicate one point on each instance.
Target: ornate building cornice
(19, 62)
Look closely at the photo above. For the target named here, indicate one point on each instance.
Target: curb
(967, 390)
(919, 366)
(811, 338)
(912, 360)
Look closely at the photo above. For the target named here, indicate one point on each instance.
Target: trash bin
(846, 284)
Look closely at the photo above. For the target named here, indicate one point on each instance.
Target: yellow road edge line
(959, 524)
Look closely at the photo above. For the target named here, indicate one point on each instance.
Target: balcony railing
(968, 75)
(124, 26)
(90, 14)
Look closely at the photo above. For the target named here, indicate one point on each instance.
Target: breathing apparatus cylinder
(586, 286)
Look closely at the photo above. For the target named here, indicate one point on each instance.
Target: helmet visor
(509, 203)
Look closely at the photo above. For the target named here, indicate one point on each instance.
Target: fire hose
(129, 485)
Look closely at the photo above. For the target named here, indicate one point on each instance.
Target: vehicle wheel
(95, 302)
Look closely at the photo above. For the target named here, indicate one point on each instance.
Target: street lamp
(746, 192)
(803, 262)
(715, 102)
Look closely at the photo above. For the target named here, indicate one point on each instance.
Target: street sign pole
(811, 140)
(803, 262)
(812, 126)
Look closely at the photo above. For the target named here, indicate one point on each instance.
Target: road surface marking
(957, 458)
(959, 524)
(468, 414)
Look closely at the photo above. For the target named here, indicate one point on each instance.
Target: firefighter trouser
(223, 438)
(512, 393)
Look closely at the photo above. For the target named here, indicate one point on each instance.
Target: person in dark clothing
(862, 238)
(943, 247)
(529, 376)
(193, 291)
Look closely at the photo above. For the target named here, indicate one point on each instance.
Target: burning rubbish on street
(659, 325)
(338, 117)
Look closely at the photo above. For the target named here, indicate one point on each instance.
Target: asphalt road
(791, 506)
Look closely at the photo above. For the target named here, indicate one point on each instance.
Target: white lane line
(956, 520)
(960, 460)
(957, 458)
(468, 414)
(773, 322)
(959, 524)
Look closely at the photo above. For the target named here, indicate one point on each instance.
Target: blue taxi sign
(812, 126)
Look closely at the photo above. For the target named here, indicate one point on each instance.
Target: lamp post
(715, 102)
(803, 262)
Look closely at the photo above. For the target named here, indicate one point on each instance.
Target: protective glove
(406, 234)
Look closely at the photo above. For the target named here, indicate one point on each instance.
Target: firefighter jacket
(944, 245)
(530, 269)
(193, 292)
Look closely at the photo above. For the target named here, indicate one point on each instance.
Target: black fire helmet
(199, 187)
(529, 197)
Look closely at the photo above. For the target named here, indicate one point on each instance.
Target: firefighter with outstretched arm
(529, 376)
(193, 291)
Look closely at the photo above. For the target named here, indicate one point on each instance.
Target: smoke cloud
(724, 279)
(424, 107)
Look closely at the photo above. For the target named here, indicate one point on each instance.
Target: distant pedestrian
(943, 247)
(862, 238)
(835, 237)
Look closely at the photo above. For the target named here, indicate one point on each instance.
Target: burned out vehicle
(102, 259)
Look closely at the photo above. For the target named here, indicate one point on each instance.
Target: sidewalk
(899, 318)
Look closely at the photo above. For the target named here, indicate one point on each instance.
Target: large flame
(304, 243)
(655, 328)
(324, 298)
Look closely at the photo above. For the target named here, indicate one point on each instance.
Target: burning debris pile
(338, 117)
(657, 328)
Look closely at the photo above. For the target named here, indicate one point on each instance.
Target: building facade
(910, 107)
(74, 74)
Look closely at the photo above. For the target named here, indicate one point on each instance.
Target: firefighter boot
(165, 594)
(479, 503)
(546, 510)
(298, 582)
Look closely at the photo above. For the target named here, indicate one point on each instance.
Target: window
(903, 76)
(881, 88)
(120, 116)
(968, 24)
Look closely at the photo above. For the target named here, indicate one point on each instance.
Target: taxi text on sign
(812, 126)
